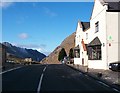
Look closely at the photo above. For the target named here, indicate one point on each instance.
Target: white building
(28, 59)
(99, 45)
(81, 41)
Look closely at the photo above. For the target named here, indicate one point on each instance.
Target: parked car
(114, 66)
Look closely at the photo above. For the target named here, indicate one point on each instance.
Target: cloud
(23, 35)
(5, 4)
(49, 12)
(31, 45)
(46, 53)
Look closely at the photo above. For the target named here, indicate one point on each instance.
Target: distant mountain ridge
(23, 52)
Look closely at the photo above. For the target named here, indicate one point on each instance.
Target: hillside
(23, 52)
(67, 43)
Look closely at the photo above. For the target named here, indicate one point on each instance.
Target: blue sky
(42, 25)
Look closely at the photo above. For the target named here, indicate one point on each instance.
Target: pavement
(55, 78)
(8, 66)
(108, 76)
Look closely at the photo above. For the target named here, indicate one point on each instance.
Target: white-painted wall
(80, 34)
(99, 14)
(112, 31)
(77, 61)
(97, 9)
(83, 54)
(77, 42)
(119, 36)
(96, 64)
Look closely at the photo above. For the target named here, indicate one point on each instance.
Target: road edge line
(10, 70)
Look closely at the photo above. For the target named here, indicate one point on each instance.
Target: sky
(41, 25)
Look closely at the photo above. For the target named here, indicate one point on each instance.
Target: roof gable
(82, 26)
(79, 26)
(97, 7)
(112, 4)
(95, 42)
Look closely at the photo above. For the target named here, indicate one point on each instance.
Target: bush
(62, 54)
(71, 54)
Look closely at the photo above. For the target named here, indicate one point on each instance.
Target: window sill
(94, 59)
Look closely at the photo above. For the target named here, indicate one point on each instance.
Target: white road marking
(40, 82)
(103, 84)
(116, 90)
(44, 69)
(10, 70)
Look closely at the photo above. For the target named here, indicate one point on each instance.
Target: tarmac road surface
(51, 78)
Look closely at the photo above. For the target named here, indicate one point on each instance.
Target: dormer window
(96, 27)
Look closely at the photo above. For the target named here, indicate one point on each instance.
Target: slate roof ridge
(112, 4)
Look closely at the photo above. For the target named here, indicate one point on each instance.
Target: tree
(71, 54)
(62, 54)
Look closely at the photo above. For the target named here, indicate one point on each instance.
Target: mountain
(23, 52)
(67, 44)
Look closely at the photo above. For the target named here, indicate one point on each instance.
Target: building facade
(99, 44)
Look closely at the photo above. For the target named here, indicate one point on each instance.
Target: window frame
(95, 53)
(76, 53)
(97, 27)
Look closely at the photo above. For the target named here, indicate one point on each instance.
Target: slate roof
(95, 42)
(85, 25)
(113, 5)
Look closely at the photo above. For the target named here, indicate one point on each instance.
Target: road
(51, 78)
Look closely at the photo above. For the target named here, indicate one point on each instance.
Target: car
(114, 66)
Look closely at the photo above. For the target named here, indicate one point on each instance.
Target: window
(86, 36)
(96, 27)
(77, 53)
(94, 53)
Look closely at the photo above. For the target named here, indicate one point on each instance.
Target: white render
(109, 30)
(112, 30)
(78, 38)
(77, 42)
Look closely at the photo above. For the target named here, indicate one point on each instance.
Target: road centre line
(40, 82)
(10, 70)
(44, 69)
